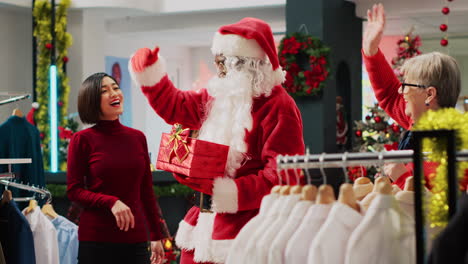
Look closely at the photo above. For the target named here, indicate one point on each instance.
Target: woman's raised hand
(374, 30)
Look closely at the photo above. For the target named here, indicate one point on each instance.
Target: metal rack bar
(335, 160)
(15, 161)
(43, 192)
(14, 99)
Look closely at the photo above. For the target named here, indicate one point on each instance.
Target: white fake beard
(229, 116)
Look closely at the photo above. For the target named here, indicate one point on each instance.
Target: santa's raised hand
(147, 66)
(143, 58)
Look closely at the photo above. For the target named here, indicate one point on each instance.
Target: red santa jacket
(277, 129)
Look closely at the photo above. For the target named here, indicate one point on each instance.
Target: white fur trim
(202, 237)
(235, 45)
(220, 250)
(279, 76)
(151, 75)
(224, 199)
(184, 236)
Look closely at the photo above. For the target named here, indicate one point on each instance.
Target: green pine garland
(42, 15)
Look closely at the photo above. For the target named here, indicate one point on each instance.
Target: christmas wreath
(305, 60)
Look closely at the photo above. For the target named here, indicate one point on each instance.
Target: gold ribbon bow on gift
(178, 138)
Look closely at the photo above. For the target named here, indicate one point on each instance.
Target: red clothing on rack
(106, 163)
(385, 85)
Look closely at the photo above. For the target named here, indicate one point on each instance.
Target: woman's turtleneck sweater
(106, 163)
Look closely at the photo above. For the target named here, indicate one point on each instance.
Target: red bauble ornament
(49, 46)
(377, 119)
(65, 59)
(358, 133)
(396, 129)
(443, 42)
(443, 27)
(368, 117)
(445, 10)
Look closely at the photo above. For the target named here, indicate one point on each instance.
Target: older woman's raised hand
(374, 30)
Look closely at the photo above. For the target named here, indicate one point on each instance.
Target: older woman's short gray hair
(438, 70)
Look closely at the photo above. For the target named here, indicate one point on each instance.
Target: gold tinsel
(450, 119)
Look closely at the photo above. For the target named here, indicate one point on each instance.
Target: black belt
(203, 201)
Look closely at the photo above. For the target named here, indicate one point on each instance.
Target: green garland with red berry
(42, 15)
(306, 61)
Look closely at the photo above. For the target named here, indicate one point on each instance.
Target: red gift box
(192, 157)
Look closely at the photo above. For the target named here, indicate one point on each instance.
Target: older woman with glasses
(431, 81)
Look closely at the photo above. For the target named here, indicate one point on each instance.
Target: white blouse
(298, 246)
(329, 246)
(236, 252)
(385, 235)
(45, 237)
(277, 248)
(264, 242)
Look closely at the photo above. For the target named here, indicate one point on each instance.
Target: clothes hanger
(296, 189)
(384, 188)
(276, 189)
(347, 195)
(362, 187)
(32, 205)
(286, 189)
(6, 197)
(409, 184)
(17, 112)
(48, 210)
(325, 195)
(368, 199)
(309, 192)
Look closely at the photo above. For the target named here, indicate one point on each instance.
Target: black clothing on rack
(451, 246)
(20, 139)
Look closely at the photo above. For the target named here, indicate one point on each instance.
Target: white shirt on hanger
(385, 235)
(298, 246)
(45, 237)
(278, 247)
(329, 246)
(249, 254)
(406, 201)
(264, 242)
(238, 247)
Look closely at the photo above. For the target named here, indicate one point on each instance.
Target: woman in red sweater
(432, 81)
(109, 175)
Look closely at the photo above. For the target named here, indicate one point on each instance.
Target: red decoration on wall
(65, 59)
(443, 42)
(445, 10)
(49, 46)
(443, 27)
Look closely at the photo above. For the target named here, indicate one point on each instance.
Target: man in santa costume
(244, 107)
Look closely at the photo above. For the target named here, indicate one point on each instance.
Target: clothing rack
(6, 177)
(341, 160)
(44, 193)
(14, 99)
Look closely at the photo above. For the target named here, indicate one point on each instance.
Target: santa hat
(250, 37)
